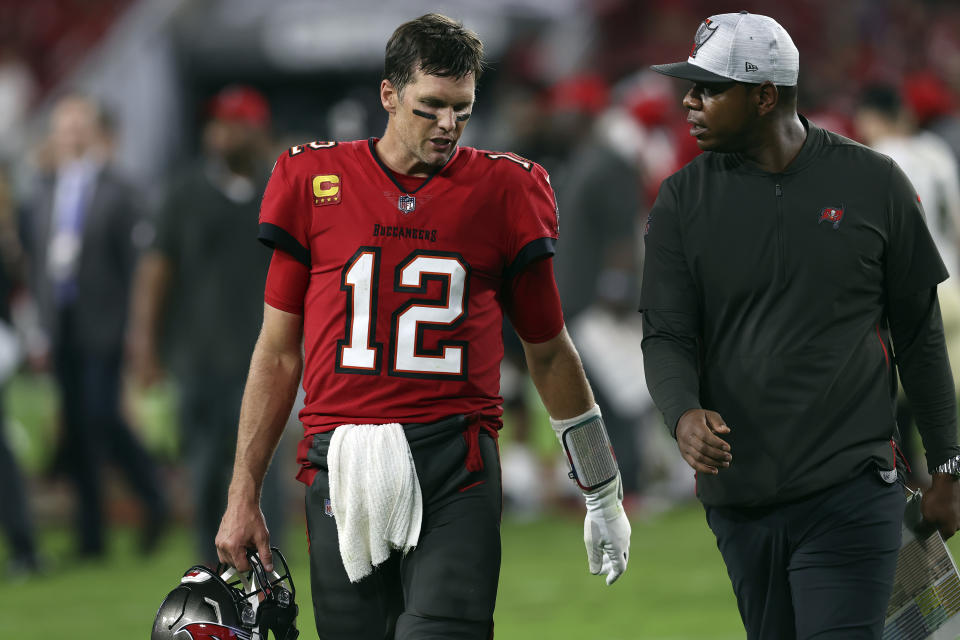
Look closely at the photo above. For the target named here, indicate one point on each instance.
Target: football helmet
(228, 605)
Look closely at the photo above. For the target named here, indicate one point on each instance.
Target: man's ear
(389, 96)
(766, 98)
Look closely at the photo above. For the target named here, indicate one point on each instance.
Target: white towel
(374, 494)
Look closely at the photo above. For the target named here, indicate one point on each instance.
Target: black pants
(209, 413)
(95, 433)
(445, 588)
(821, 567)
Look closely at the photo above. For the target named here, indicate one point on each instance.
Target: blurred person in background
(883, 122)
(566, 112)
(526, 490)
(394, 261)
(779, 265)
(598, 274)
(612, 179)
(198, 299)
(933, 106)
(80, 226)
(571, 105)
(17, 92)
(15, 518)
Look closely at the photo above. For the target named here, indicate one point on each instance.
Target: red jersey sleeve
(532, 217)
(287, 282)
(283, 214)
(533, 303)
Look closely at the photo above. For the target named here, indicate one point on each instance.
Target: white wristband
(585, 441)
(559, 426)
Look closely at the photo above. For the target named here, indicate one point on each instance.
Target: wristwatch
(951, 466)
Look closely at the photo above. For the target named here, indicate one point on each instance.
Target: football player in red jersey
(394, 261)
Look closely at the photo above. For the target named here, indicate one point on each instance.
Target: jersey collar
(371, 145)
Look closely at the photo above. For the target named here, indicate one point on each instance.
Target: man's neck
(778, 144)
(89, 163)
(396, 157)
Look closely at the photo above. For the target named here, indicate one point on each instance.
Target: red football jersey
(402, 316)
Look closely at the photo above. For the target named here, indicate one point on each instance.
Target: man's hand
(941, 504)
(699, 443)
(243, 527)
(606, 531)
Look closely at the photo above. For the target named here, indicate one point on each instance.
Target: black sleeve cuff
(533, 250)
(278, 238)
(672, 415)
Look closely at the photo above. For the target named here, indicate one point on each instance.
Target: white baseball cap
(744, 47)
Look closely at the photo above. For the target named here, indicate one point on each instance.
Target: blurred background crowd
(136, 137)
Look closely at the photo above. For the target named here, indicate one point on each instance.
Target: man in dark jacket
(779, 267)
(200, 286)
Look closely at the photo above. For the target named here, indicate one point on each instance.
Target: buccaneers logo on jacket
(831, 214)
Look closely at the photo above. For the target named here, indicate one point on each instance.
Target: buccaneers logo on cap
(706, 29)
(831, 214)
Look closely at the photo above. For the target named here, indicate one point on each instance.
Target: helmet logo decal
(211, 631)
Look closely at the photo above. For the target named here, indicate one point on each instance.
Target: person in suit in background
(80, 239)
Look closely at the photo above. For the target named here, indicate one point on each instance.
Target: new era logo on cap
(744, 47)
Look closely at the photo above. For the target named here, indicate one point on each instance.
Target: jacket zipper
(782, 270)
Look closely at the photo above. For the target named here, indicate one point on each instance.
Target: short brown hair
(434, 44)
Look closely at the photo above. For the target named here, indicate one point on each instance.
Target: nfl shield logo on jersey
(406, 203)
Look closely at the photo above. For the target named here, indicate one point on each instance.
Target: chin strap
(248, 615)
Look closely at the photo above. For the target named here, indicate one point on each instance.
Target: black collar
(808, 152)
(371, 142)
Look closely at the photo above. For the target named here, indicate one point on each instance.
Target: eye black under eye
(463, 117)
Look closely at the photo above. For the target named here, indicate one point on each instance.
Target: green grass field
(675, 588)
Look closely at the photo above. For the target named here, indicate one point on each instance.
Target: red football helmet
(227, 605)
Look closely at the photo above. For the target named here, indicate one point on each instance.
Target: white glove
(606, 531)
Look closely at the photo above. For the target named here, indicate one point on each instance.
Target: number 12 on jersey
(359, 351)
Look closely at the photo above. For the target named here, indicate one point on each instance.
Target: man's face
(73, 128)
(429, 115)
(721, 116)
(239, 144)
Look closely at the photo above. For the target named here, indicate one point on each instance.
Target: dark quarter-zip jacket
(771, 299)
